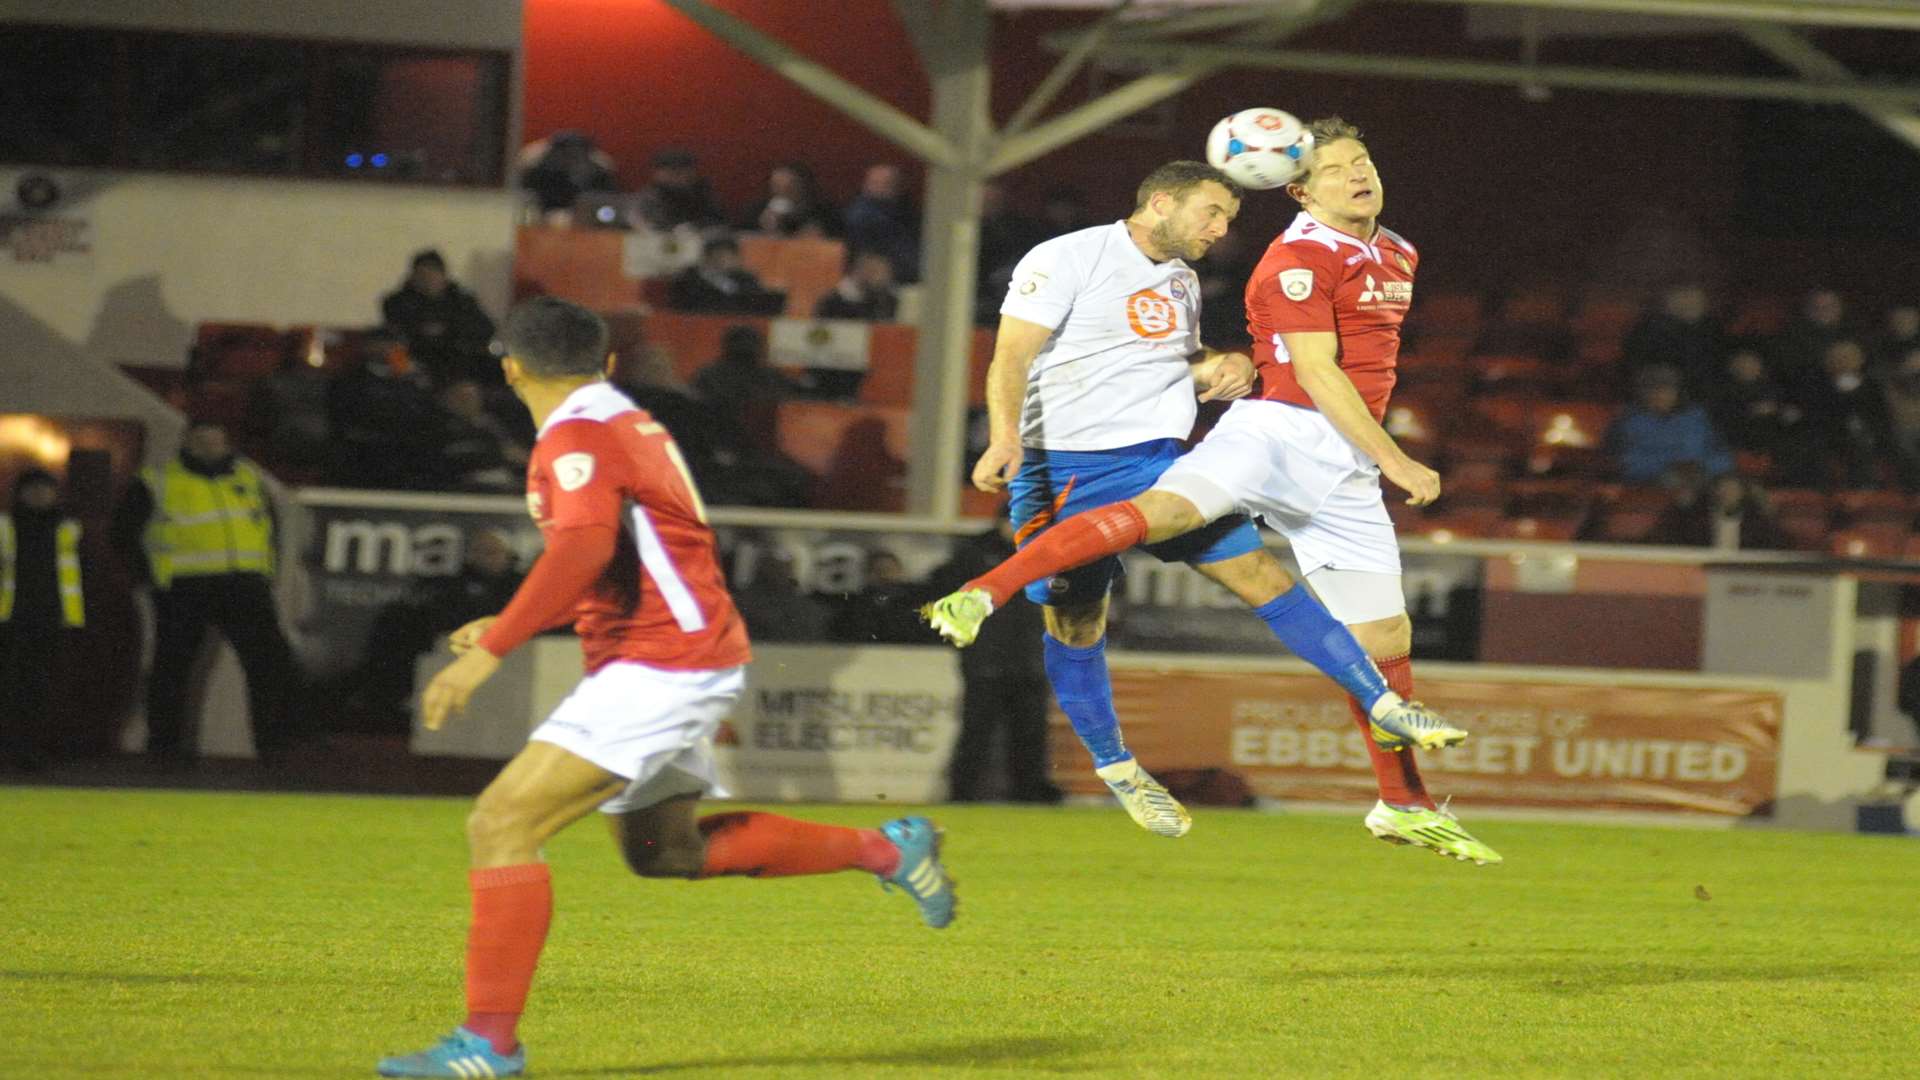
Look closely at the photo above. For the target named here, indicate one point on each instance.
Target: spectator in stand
(740, 382)
(1064, 211)
(646, 375)
(1846, 417)
(1661, 432)
(564, 166)
(1754, 413)
(1900, 337)
(1003, 682)
(1223, 293)
(884, 219)
(1727, 512)
(383, 417)
(720, 284)
(774, 607)
(1005, 233)
(292, 403)
(865, 293)
(678, 195)
(1800, 350)
(445, 330)
(792, 205)
(886, 611)
(474, 450)
(1901, 390)
(1682, 334)
(432, 606)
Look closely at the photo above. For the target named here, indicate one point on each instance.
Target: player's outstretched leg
(1075, 541)
(1084, 689)
(668, 839)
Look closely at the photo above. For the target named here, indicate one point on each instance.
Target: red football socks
(1395, 770)
(1076, 541)
(768, 845)
(512, 908)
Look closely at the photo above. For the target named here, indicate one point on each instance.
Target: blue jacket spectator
(1661, 433)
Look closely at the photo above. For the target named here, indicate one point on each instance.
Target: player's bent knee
(659, 859)
(491, 827)
(1168, 515)
(1389, 637)
(1078, 627)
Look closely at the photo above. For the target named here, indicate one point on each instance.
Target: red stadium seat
(1874, 507)
(1628, 514)
(1451, 313)
(1605, 318)
(1502, 415)
(1544, 306)
(1878, 541)
(1560, 529)
(239, 350)
(1550, 498)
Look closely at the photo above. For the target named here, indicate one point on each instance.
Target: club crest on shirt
(1178, 287)
(573, 470)
(1405, 266)
(1033, 283)
(1296, 284)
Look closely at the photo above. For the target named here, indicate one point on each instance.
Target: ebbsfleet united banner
(1536, 744)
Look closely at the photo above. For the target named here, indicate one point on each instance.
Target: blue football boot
(461, 1054)
(920, 872)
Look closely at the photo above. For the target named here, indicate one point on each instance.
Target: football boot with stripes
(1436, 830)
(1148, 802)
(462, 1054)
(920, 874)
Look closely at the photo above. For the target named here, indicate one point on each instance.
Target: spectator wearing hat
(1662, 432)
(442, 324)
(677, 194)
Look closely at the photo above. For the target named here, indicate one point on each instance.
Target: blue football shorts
(1056, 484)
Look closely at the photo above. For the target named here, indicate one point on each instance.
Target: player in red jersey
(1306, 452)
(630, 560)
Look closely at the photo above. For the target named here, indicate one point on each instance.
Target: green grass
(195, 935)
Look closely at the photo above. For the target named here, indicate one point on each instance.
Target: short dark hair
(1177, 178)
(429, 257)
(554, 339)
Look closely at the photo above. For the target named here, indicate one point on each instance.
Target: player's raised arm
(1315, 358)
(1014, 349)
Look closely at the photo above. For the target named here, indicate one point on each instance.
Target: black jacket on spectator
(449, 334)
(849, 300)
(1695, 348)
(732, 293)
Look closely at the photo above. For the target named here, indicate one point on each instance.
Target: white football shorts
(653, 726)
(1288, 466)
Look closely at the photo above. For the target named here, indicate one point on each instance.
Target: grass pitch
(194, 935)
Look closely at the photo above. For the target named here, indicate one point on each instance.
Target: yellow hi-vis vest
(205, 525)
(66, 539)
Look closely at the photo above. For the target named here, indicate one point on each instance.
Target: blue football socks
(1297, 618)
(1080, 684)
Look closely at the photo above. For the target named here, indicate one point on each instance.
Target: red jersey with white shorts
(629, 554)
(1317, 278)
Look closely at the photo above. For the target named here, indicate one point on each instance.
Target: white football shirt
(1115, 371)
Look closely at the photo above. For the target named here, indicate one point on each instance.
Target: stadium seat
(1550, 499)
(1760, 316)
(1414, 422)
(1450, 313)
(1879, 541)
(1569, 437)
(1605, 317)
(1542, 306)
(1511, 373)
(1857, 508)
(1803, 517)
(239, 350)
(1559, 529)
(1627, 514)
(1502, 415)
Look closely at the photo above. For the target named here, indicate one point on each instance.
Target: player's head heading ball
(1339, 184)
(1186, 206)
(552, 339)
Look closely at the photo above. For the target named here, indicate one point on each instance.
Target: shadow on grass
(1040, 1054)
(136, 978)
(1560, 974)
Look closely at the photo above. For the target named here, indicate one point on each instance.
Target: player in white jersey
(1091, 392)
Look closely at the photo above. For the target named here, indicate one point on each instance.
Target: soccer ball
(1260, 149)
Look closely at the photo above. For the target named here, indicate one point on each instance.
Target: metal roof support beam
(1807, 58)
(1096, 114)
(1575, 78)
(918, 17)
(1068, 66)
(1882, 14)
(816, 79)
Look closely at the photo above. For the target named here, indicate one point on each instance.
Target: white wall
(169, 252)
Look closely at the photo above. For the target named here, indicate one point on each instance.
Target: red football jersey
(663, 599)
(1317, 278)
